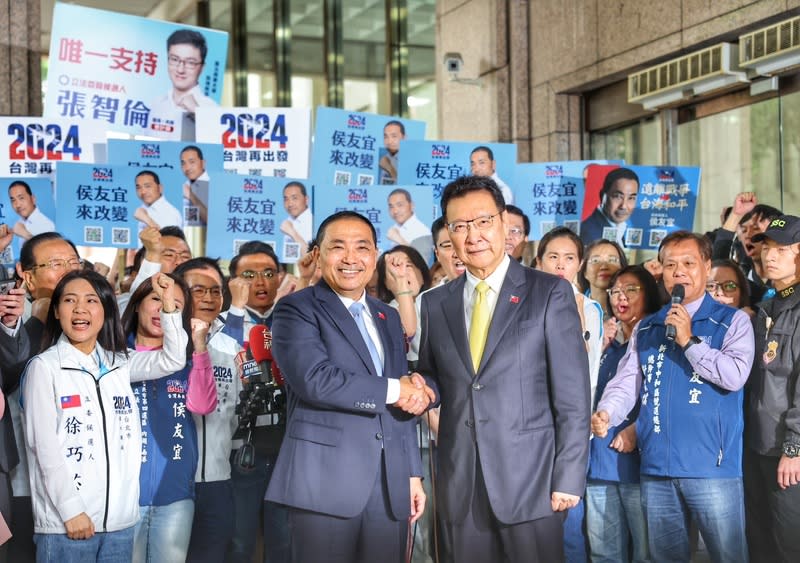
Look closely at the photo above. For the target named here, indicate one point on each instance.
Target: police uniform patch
(772, 351)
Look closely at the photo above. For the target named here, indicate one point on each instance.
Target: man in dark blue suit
(349, 468)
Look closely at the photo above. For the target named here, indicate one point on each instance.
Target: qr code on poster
(120, 236)
(291, 251)
(93, 235)
(341, 178)
(191, 214)
(279, 172)
(573, 226)
(366, 179)
(254, 171)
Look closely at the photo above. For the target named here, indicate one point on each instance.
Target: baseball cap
(783, 230)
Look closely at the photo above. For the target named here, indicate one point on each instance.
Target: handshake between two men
(415, 394)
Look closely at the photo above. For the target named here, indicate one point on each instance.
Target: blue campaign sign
(356, 148)
(396, 219)
(28, 208)
(551, 193)
(197, 163)
(31, 146)
(138, 75)
(98, 205)
(266, 208)
(667, 202)
(437, 163)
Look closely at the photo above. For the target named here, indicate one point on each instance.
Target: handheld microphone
(677, 298)
(261, 347)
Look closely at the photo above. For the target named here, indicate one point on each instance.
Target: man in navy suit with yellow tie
(503, 347)
(349, 468)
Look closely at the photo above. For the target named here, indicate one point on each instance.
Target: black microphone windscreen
(678, 292)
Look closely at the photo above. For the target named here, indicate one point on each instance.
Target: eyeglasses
(481, 223)
(191, 64)
(60, 264)
(252, 274)
(516, 232)
(171, 255)
(630, 292)
(200, 291)
(595, 260)
(726, 286)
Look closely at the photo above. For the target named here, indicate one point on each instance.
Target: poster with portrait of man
(637, 206)
(28, 208)
(138, 75)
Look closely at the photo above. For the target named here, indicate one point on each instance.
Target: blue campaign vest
(605, 463)
(687, 426)
(169, 440)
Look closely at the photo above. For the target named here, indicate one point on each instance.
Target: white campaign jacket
(215, 430)
(82, 432)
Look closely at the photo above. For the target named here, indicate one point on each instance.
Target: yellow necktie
(479, 325)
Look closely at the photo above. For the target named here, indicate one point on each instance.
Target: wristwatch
(791, 450)
(692, 341)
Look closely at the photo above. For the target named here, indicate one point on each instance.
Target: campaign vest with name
(687, 426)
(606, 463)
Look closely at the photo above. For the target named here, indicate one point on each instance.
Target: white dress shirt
(494, 280)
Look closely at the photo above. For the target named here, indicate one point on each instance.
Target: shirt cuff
(236, 311)
(12, 332)
(392, 390)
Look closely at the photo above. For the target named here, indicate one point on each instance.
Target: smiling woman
(81, 420)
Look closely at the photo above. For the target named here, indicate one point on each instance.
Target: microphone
(260, 338)
(677, 298)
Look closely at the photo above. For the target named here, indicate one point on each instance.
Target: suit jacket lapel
(344, 321)
(453, 306)
(509, 302)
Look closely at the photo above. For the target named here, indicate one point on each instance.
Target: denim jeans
(717, 505)
(163, 532)
(213, 524)
(615, 519)
(104, 547)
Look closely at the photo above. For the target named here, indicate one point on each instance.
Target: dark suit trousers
(481, 538)
(371, 536)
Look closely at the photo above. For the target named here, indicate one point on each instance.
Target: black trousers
(482, 538)
(772, 514)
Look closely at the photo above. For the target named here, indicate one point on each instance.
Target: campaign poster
(28, 208)
(138, 75)
(437, 163)
(400, 214)
(197, 162)
(638, 206)
(259, 141)
(107, 205)
(551, 194)
(359, 149)
(31, 146)
(274, 210)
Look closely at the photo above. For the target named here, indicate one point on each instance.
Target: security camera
(453, 63)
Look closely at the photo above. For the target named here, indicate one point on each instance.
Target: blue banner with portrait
(132, 74)
(437, 163)
(639, 205)
(400, 214)
(107, 205)
(273, 210)
(356, 148)
(28, 208)
(551, 194)
(197, 163)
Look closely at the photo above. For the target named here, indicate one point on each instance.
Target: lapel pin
(514, 299)
(381, 316)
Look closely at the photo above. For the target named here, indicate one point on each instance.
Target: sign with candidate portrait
(31, 146)
(138, 76)
(107, 205)
(551, 194)
(357, 148)
(400, 214)
(273, 210)
(639, 205)
(28, 208)
(437, 163)
(197, 163)
(259, 141)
